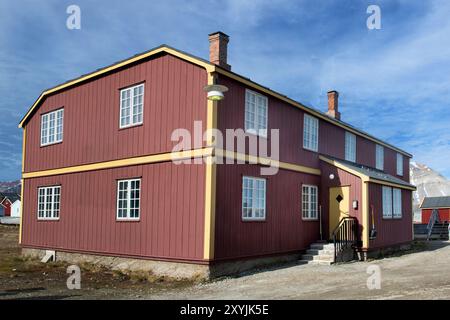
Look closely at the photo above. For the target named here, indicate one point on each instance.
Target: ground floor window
(309, 202)
(392, 202)
(128, 199)
(253, 198)
(49, 202)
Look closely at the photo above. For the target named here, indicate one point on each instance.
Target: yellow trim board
(317, 114)
(24, 137)
(180, 155)
(265, 161)
(365, 214)
(208, 66)
(210, 178)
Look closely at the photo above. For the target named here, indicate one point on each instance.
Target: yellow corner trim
(385, 183)
(209, 68)
(365, 214)
(266, 161)
(122, 163)
(317, 114)
(210, 179)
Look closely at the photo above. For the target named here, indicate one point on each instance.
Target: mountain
(429, 183)
(10, 186)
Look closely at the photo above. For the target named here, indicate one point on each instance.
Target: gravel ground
(420, 274)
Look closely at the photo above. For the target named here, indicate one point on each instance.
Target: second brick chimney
(218, 43)
(333, 111)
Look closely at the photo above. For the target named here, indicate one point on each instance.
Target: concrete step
(318, 251)
(315, 262)
(322, 246)
(311, 257)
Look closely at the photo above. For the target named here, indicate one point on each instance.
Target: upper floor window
(309, 202)
(392, 202)
(310, 133)
(350, 147)
(379, 155)
(128, 199)
(52, 127)
(255, 113)
(49, 203)
(131, 106)
(399, 164)
(253, 198)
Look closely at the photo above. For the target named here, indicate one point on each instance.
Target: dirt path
(418, 275)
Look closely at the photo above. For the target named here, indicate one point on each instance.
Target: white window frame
(350, 146)
(258, 109)
(133, 113)
(128, 200)
(51, 210)
(387, 202)
(258, 199)
(399, 164)
(310, 202)
(310, 133)
(397, 203)
(52, 127)
(379, 157)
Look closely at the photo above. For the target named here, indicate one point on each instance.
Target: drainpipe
(320, 221)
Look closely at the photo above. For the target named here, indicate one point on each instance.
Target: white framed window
(379, 157)
(255, 113)
(399, 164)
(387, 202)
(49, 199)
(52, 125)
(350, 147)
(309, 202)
(397, 202)
(131, 106)
(128, 199)
(253, 198)
(310, 133)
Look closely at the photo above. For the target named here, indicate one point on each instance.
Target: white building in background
(15, 209)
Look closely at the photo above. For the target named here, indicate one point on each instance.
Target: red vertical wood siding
(444, 214)
(390, 231)
(289, 120)
(173, 98)
(171, 222)
(341, 178)
(282, 231)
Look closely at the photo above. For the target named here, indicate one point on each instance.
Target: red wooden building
(99, 179)
(442, 204)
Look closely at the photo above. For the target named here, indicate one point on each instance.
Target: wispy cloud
(393, 82)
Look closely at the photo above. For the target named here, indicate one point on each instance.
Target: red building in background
(442, 204)
(99, 180)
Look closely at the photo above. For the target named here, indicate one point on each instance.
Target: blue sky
(394, 83)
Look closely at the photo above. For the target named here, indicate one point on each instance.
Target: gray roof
(371, 172)
(436, 202)
(13, 197)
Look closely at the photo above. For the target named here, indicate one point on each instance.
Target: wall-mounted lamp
(215, 92)
(331, 176)
(355, 204)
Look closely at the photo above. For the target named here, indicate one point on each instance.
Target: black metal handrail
(345, 235)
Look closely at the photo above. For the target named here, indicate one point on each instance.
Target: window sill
(253, 220)
(253, 133)
(128, 220)
(48, 219)
(310, 219)
(50, 144)
(311, 150)
(131, 126)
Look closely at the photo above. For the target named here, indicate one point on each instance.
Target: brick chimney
(218, 42)
(333, 111)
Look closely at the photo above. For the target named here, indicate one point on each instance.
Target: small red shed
(5, 203)
(442, 204)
